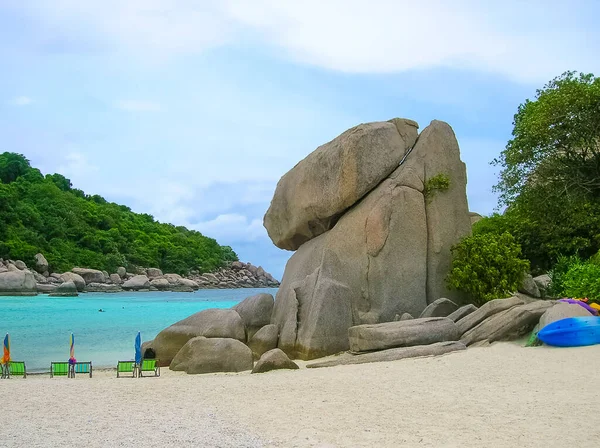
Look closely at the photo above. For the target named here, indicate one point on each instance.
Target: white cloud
(231, 228)
(138, 106)
(21, 101)
(76, 166)
(526, 41)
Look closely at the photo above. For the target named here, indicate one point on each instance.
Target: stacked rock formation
(372, 237)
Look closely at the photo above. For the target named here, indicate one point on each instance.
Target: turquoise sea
(40, 327)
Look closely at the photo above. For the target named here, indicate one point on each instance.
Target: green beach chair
(60, 369)
(149, 365)
(83, 367)
(126, 367)
(16, 368)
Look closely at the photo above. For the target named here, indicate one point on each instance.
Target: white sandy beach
(500, 396)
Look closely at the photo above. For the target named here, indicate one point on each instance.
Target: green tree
(556, 142)
(487, 267)
(12, 166)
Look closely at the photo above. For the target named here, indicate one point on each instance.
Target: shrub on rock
(487, 267)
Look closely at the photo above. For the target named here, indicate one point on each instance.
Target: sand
(501, 396)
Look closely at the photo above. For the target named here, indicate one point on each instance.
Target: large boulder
(116, 279)
(310, 197)
(136, 282)
(383, 258)
(20, 265)
(392, 354)
(75, 278)
(274, 359)
(65, 289)
(528, 286)
(45, 288)
(153, 272)
(508, 324)
(562, 310)
(208, 355)
(103, 287)
(264, 340)
(425, 331)
(439, 308)
(41, 264)
(486, 310)
(90, 275)
(121, 272)
(188, 283)
(543, 284)
(211, 323)
(17, 283)
(255, 311)
(160, 283)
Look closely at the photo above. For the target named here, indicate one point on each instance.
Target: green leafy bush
(487, 266)
(573, 277)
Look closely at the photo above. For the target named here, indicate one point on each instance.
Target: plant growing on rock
(487, 266)
(573, 277)
(439, 182)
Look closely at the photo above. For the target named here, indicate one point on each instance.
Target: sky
(191, 111)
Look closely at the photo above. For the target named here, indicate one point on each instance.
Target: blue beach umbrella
(138, 348)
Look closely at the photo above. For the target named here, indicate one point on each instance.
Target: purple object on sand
(583, 304)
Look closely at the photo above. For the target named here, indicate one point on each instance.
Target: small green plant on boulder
(487, 267)
(439, 182)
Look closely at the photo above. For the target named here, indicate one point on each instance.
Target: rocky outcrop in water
(237, 275)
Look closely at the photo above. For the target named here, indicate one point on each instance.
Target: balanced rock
(392, 354)
(264, 340)
(274, 360)
(425, 331)
(41, 264)
(75, 278)
(137, 282)
(508, 324)
(17, 283)
(439, 308)
(389, 254)
(463, 311)
(211, 323)
(121, 272)
(255, 311)
(562, 310)
(90, 275)
(20, 265)
(65, 289)
(310, 198)
(486, 310)
(209, 355)
(529, 287)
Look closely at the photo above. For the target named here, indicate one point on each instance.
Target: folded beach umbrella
(72, 359)
(138, 348)
(6, 356)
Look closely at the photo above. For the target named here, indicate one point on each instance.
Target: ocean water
(40, 327)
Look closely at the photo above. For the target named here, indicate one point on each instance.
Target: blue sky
(192, 110)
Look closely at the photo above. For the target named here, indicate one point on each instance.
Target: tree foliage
(45, 214)
(550, 177)
(556, 142)
(487, 267)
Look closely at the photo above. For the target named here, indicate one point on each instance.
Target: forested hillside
(45, 214)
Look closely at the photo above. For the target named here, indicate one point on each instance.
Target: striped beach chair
(60, 369)
(149, 365)
(83, 368)
(15, 368)
(125, 367)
